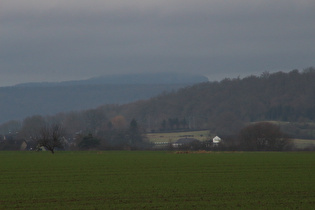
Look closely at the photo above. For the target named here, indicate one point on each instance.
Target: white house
(216, 140)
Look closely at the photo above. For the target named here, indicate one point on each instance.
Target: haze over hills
(22, 100)
(165, 78)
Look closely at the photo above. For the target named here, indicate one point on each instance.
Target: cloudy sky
(57, 40)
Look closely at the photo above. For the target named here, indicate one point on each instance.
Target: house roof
(216, 139)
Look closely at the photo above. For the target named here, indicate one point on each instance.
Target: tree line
(262, 136)
(49, 133)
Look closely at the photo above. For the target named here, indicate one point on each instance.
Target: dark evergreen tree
(89, 142)
(134, 134)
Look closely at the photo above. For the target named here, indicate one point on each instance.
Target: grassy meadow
(157, 180)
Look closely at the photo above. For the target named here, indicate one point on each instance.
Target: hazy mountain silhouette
(128, 79)
(47, 98)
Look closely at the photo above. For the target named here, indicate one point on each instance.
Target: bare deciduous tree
(50, 137)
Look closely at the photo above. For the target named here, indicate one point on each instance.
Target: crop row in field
(158, 180)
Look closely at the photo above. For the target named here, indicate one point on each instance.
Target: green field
(157, 180)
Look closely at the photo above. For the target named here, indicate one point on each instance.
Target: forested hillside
(223, 107)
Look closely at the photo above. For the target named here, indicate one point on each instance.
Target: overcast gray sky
(57, 40)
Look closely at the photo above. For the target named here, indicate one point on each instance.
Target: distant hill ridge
(20, 101)
(128, 79)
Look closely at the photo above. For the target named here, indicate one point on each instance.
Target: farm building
(184, 141)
